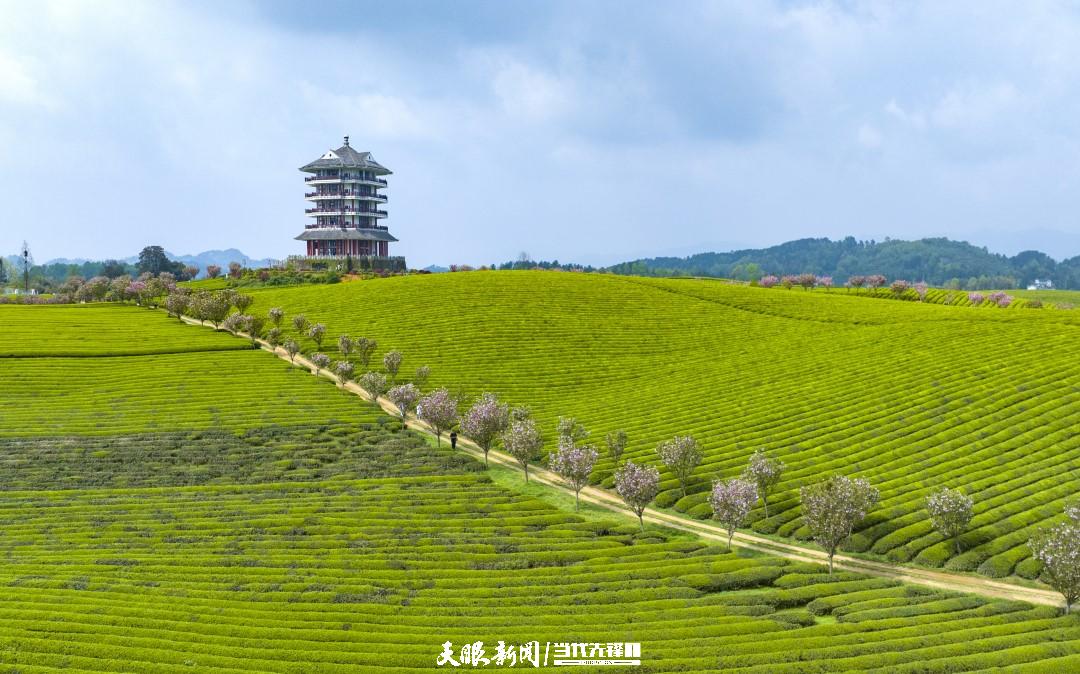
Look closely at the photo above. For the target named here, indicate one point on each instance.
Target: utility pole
(28, 261)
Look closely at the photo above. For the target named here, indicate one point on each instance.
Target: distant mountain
(202, 260)
(936, 261)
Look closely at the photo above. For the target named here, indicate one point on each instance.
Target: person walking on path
(453, 439)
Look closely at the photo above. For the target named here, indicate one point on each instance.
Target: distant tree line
(939, 262)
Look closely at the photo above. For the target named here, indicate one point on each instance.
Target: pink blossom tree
(321, 361)
(825, 282)
(807, 281)
(523, 441)
(345, 346)
(292, 348)
(856, 282)
(832, 509)
(316, 333)
(788, 281)
(343, 370)
(1000, 299)
(899, 287)
(681, 455)
(638, 486)
(921, 289)
(485, 421)
(574, 464)
(1058, 548)
(420, 377)
(439, 410)
(765, 473)
(276, 315)
(950, 513)
(976, 298)
(176, 304)
(875, 281)
(768, 281)
(404, 397)
(732, 501)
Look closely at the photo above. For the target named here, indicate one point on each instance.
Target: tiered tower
(345, 193)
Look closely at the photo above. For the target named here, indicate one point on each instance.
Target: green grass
(99, 330)
(913, 396)
(179, 530)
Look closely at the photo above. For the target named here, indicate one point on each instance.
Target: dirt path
(603, 498)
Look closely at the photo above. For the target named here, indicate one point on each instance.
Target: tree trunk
(957, 540)
(485, 458)
(577, 501)
(730, 533)
(526, 465)
(641, 522)
(831, 553)
(765, 500)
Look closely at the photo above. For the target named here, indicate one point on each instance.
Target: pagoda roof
(338, 234)
(346, 157)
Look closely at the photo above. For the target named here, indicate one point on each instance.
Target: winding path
(603, 498)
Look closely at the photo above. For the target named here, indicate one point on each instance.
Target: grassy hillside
(913, 396)
(305, 545)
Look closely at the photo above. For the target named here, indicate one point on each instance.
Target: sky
(579, 131)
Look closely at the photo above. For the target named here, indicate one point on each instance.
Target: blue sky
(595, 131)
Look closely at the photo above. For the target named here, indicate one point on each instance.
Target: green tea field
(912, 396)
(157, 529)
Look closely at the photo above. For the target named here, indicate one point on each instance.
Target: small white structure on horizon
(1041, 285)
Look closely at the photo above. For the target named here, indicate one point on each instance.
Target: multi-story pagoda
(345, 188)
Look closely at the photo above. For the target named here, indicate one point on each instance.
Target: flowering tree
(616, 444)
(825, 282)
(485, 420)
(788, 281)
(574, 464)
(976, 298)
(438, 409)
(875, 281)
(176, 304)
(292, 348)
(732, 501)
(807, 281)
(523, 441)
(1000, 299)
(404, 397)
(242, 302)
(392, 362)
(921, 287)
(1073, 511)
(950, 512)
(300, 323)
(317, 332)
(768, 281)
(344, 346)
(638, 486)
(421, 376)
(1058, 548)
(320, 361)
(765, 473)
(375, 385)
(832, 508)
(233, 322)
(899, 287)
(213, 271)
(276, 315)
(681, 455)
(364, 348)
(856, 282)
(343, 370)
(273, 337)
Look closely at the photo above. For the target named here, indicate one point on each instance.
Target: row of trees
(831, 509)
